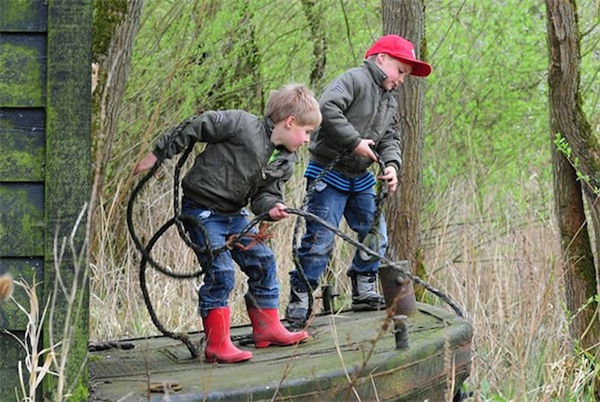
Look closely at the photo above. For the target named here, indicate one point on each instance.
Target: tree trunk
(567, 119)
(407, 19)
(315, 18)
(115, 27)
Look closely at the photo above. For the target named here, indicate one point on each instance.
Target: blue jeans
(258, 262)
(330, 204)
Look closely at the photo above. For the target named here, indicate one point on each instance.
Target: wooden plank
(22, 219)
(68, 170)
(68, 113)
(22, 70)
(23, 15)
(12, 352)
(22, 135)
(32, 271)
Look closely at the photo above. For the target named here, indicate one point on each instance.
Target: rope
(178, 220)
(404, 274)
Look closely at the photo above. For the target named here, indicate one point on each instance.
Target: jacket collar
(269, 126)
(376, 73)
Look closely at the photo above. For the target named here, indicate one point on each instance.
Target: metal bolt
(401, 332)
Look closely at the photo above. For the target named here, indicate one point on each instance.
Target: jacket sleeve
(389, 147)
(212, 126)
(269, 195)
(334, 101)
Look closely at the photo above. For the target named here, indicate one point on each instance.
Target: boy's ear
(289, 121)
(381, 57)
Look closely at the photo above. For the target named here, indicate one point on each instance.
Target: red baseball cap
(401, 49)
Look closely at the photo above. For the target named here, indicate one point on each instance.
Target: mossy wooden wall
(45, 166)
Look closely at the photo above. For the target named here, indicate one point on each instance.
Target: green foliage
(215, 57)
(487, 100)
(589, 26)
(193, 56)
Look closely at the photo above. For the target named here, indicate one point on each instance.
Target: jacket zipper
(262, 172)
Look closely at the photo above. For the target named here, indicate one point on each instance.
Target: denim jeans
(257, 262)
(330, 204)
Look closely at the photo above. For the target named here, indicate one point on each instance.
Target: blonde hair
(294, 100)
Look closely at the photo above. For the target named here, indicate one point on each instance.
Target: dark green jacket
(234, 167)
(356, 107)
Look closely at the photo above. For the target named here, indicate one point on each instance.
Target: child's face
(395, 70)
(292, 135)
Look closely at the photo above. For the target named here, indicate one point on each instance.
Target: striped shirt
(339, 181)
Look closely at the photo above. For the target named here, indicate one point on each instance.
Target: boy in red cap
(359, 118)
(247, 160)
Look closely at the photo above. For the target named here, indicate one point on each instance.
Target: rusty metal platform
(350, 356)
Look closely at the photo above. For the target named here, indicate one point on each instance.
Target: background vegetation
(487, 232)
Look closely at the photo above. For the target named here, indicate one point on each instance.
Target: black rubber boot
(364, 293)
(297, 308)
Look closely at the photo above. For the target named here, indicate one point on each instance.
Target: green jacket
(356, 107)
(234, 167)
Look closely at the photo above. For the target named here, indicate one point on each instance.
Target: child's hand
(145, 163)
(278, 212)
(364, 149)
(391, 178)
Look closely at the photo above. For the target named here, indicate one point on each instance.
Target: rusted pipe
(399, 293)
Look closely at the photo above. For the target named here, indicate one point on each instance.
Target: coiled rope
(178, 220)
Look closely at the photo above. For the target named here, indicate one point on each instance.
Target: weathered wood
(22, 135)
(45, 115)
(350, 356)
(23, 16)
(68, 180)
(22, 144)
(22, 69)
(32, 271)
(15, 321)
(22, 219)
(11, 352)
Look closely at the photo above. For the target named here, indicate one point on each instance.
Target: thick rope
(179, 220)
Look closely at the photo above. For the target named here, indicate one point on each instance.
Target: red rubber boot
(219, 347)
(268, 330)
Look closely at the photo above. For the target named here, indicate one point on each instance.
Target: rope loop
(183, 224)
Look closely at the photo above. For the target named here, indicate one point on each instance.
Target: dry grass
(508, 279)
(38, 363)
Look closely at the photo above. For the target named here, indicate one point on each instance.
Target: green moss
(80, 393)
(107, 16)
(74, 317)
(21, 222)
(14, 12)
(22, 159)
(30, 270)
(67, 183)
(21, 81)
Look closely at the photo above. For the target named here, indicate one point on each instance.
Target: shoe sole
(266, 343)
